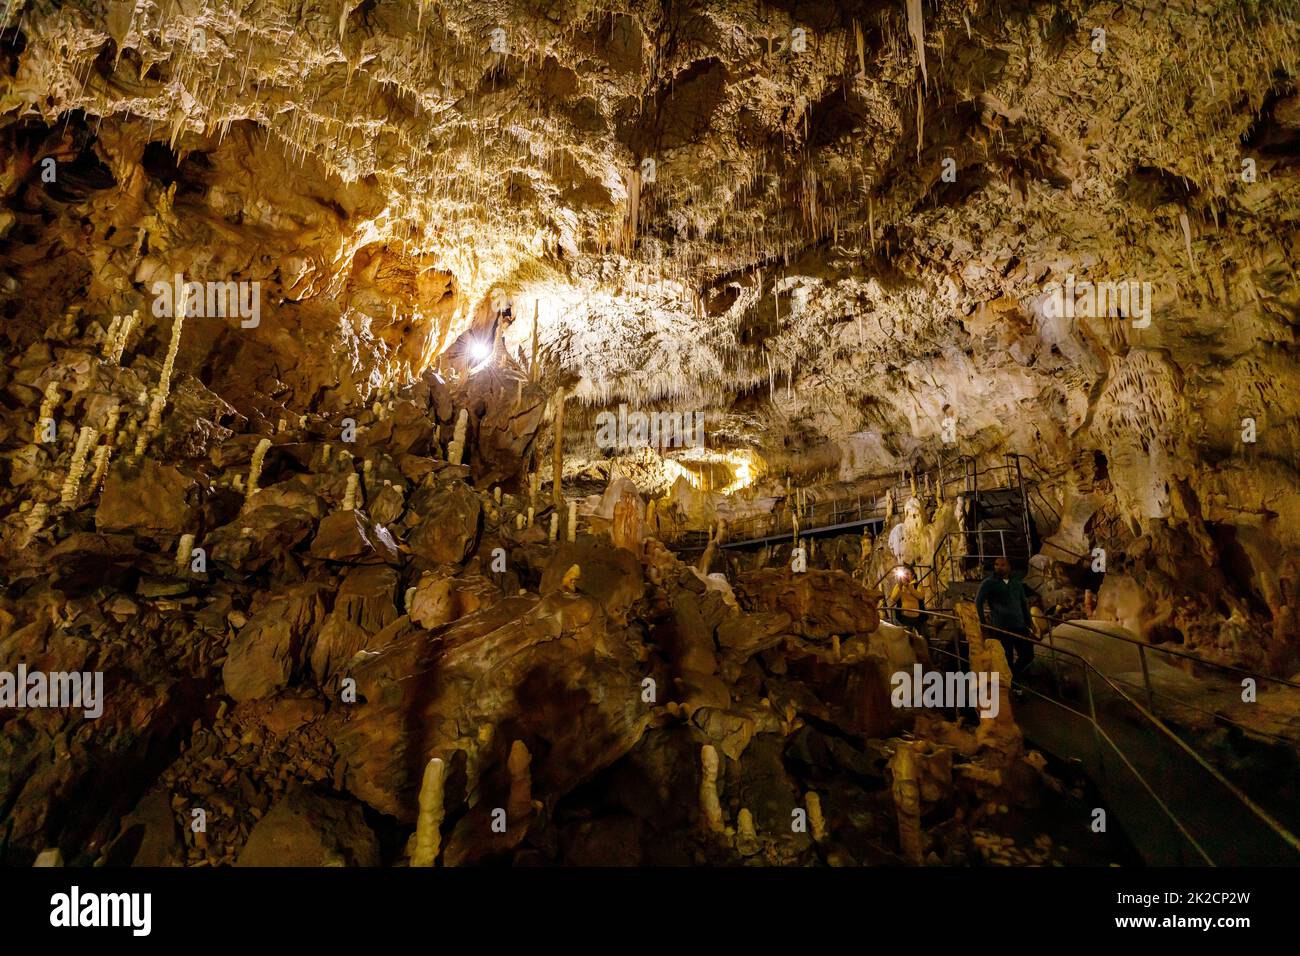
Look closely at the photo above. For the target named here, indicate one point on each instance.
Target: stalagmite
(255, 469)
(519, 804)
(555, 527)
(816, 822)
(710, 807)
(118, 332)
(428, 835)
(100, 462)
(746, 836)
(572, 530)
(907, 801)
(350, 493)
(163, 390)
(557, 469)
(72, 485)
(456, 447)
(48, 401)
(183, 549)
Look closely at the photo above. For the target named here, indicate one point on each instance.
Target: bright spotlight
(479, 350)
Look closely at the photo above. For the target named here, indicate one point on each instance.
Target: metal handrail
(1180, 702)
(1261, 814)
(1102, 735)
(1143, 647)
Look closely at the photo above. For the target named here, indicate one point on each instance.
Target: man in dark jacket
(1008, 610)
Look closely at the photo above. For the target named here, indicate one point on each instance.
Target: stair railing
(1091, 673)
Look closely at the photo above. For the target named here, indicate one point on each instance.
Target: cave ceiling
(822, 224)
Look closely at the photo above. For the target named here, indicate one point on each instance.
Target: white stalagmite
(255, 469)
(72, 486)
(555, 526)
(160, 394)
(48, 401)
(816, 822)
(118, 331)
(531, 515)
(183, 552)
(110, 423)
(710, 806)
(111, 336)
(350, 495)
(572, 533)
(102, 455)
(456, 449)
(428, 832)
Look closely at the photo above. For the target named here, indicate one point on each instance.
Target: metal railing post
(1024, 511)
(1096, 729)
(1146, 675)
(1056, 659)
